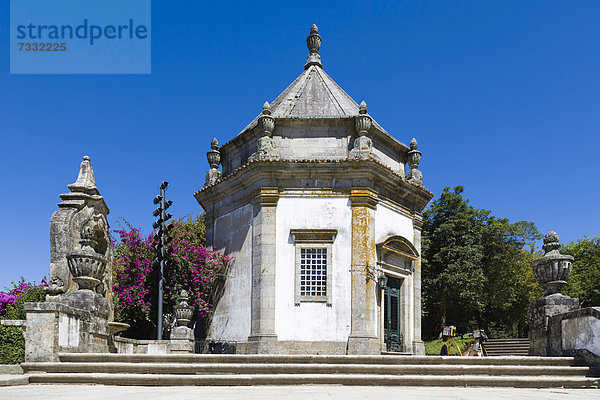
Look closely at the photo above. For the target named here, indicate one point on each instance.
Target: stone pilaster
(363, 336)
(418, 347)
(262, 337)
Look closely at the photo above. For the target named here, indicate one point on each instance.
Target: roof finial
(313, 41)
(413, 144)
(362, 108)
(267, 108)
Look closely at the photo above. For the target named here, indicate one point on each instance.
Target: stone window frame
(313, 239)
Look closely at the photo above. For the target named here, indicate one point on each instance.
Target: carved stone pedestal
(540, 311)
(77, 324)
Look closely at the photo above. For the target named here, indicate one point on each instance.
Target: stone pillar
(363, 336)
(551, 271)
(262, 337)
(540, 311)
(418, 347)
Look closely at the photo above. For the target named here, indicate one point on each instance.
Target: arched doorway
(395, 257)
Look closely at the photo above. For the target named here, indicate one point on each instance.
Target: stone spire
(313, 41)
(85, 180)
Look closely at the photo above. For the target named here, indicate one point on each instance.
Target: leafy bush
(12, 345)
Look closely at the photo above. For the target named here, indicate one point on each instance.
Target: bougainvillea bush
(193, 268)
(12, 300)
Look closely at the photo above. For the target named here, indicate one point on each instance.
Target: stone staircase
(232, 369)
(507, 347)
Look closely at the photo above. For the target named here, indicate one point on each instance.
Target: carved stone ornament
(80, 244)
(363, 145)
(183, 311)
(86, 265)
(265, 121)
(214, 159)
(313, 41)
(265, 147)
(413, 160)
(363, 122)
(552, 269)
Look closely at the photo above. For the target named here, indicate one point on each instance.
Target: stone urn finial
(413, 158)
(265, 145)
(552, 269)
(266, 122)
(313, 41)
(86, 265)
(362, 123)
(183, 311)
(214, 159)
(414, 155)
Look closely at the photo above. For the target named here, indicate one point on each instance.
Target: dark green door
(391, 309)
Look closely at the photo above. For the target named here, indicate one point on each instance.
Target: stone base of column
(262, 344)
(540, 310)
(367, 345)
(418, 348)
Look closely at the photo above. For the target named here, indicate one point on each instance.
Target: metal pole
(162, 265)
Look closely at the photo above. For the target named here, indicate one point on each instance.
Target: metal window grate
(313, 272)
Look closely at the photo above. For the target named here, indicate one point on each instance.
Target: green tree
(476, 271)
(584, 282)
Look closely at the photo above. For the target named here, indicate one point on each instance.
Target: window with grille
(313, 272)
(313, 265)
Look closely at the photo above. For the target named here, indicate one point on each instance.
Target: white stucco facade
(313, 321)
(233, 236)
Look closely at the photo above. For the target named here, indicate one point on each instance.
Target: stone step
(315, 359)
(508, 352)
(304, 379)
(312, 369)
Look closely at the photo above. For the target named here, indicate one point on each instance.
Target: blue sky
(502, 96)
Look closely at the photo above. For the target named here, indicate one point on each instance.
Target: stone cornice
(266, 197)
(335, 174)
(313, 235)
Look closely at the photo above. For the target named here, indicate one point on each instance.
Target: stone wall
(54, 327)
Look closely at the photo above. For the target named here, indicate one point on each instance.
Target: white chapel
(320, 207)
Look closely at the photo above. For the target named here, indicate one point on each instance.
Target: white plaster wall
(313, 321)
(232, 316)
(581, 333)
(389, 222)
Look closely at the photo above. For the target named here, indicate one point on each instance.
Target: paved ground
(308, 392)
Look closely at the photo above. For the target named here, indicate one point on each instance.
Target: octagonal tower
(324, 223)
